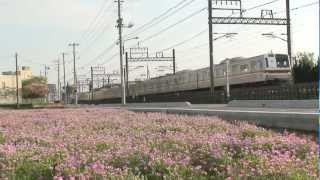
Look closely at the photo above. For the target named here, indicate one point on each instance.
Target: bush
(35, 87)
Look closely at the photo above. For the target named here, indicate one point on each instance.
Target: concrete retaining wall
(175, 104)
(279, 120)
(310, 104)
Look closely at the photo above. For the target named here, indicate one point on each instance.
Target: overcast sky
(40, 30)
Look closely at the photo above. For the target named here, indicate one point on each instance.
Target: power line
(160, 18)
(94, 21)
(186, 40)
(88, 47)
(299, 7)
(173, 25)
(197, 35)
(146, 25)
(110, 58)
(260, 5)
(156, 18)
(104, 52)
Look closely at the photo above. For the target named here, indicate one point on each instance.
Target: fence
(282, 92)
(275, 92)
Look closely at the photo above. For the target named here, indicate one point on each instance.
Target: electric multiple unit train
(259, 69)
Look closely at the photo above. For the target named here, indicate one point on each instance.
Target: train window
(202, 76)
(235, 69)
(175, 80)
(219, 72)
(244, 68)
(191, 77)
(282, 61)
(253, 66)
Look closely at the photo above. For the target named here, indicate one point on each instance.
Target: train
(240, 71)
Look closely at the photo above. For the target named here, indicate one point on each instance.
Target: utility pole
(211, 48)
(67, 93)
(64, 78)
(17, 81)
(91, 84)
(289, 41)
(120, 24)
(46, 68)
(59, 88)
(127, 73)
(174, 61)
(75, 72)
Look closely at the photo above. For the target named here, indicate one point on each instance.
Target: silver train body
(263, 68)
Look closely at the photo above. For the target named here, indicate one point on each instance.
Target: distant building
(8, 78)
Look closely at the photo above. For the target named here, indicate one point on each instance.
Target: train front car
(277, 68)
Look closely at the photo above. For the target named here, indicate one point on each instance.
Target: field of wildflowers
(117, 144)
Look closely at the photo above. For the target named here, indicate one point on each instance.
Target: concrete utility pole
(120, 24)
(67, 93)
(289, 41)
(91, 84)
(211, 48)
(127, 73)
(64, 78)
(17, 81)
(46, 68)
(75, 83)
(59, 88)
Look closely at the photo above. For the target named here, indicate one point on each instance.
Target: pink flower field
(103, 143)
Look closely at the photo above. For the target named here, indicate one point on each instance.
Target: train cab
(277, 67)
(277, 61)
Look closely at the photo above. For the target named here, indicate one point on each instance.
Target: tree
(304, 69)
(35, 87)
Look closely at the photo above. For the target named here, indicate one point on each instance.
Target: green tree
(304, 69)
(36, 87)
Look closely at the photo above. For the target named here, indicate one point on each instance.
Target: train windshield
(282, 61)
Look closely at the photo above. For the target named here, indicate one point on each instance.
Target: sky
(40, 31)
